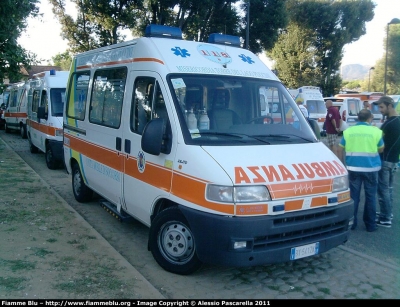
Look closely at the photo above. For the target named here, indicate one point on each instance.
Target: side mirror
(41, 113)
(154, 138)
(3, 106)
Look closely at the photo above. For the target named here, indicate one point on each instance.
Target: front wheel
(81, 191)
(172, 242)
(51, 162)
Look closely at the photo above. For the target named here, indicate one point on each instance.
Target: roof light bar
(223, 39)
(153, 30)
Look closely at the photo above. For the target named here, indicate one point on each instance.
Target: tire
(172, 242)
(32, 148)
(81, 192)
(22, 130)
(50, 161)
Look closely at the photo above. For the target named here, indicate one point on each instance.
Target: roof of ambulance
(180, 56)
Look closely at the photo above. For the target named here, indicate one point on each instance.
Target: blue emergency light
(153, 30)
(223, 39)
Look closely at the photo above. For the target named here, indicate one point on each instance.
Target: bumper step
(110, 208)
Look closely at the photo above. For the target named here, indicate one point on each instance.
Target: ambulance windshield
(215, 110)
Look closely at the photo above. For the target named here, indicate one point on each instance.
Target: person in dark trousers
(361, 145)
(332, 126)
(390, 157)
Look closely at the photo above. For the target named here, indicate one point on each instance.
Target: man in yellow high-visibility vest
(362, 144)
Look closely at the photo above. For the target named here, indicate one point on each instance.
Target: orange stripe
(319, 201)
(42, 128)
(15, 114)
(121, 62)
(111, 158)
(148, 60)
(154, 175)
(342, 197)
(296, 189)
(251, 209)
(291, 205)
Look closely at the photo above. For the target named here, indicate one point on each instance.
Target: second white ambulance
(46, 100)
(178, 135)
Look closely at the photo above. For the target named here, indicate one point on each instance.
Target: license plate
(304, 251)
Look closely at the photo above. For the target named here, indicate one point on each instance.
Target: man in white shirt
(303, 110)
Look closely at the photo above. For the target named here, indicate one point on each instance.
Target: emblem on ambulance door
(141, 161)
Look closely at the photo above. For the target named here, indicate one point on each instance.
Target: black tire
(81, 192)
(32, 148)
(51, 162)
(172, 242)
(22, 130)
(6, 128)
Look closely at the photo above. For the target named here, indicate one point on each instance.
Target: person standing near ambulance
(390, 157)
(332, 126)
(362, 144)
(303, 110)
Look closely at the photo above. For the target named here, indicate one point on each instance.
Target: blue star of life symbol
(246, 59)
(179, 51)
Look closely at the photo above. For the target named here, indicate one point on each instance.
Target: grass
(17, 265)
(11, 283)
(41, 252)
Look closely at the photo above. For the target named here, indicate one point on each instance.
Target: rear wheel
(22, 130)
(50, 160)
(81, 191)
(172, 242)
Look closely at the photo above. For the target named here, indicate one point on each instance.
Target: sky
(43, 37)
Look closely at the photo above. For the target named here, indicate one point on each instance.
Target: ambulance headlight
(245, 194)
(59, 132)
(340, 184)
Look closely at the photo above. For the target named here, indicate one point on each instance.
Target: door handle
(118, 143)
(127, 146)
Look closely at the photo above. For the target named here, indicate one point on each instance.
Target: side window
(142, 103)
(44, 101)
(35, 101)
(13, 97)
(77, 95)
(107, 97)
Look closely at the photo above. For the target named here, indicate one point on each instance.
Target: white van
(312, 99)
(46, 100)
(348, 108)
(15, 113)
(174, 133)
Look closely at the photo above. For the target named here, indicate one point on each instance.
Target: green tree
(99, 22)
(14, 14)
(63, 60)
(393, 64)
(329, 25)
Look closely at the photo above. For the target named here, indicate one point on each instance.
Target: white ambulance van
(348, 108)
(174, 133)
(46, 100)
(15, 114)
(313, 100)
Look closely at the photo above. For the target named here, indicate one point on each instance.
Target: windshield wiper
(240, 135)
(285, 136)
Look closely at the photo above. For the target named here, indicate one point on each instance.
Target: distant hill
(355, 72)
